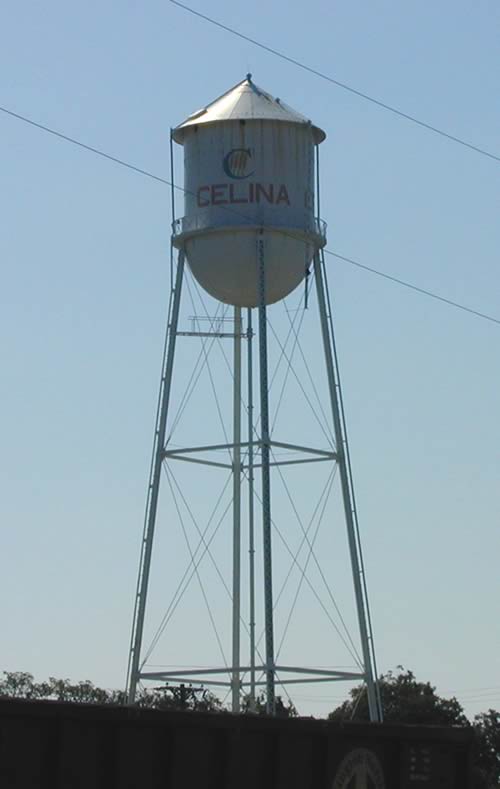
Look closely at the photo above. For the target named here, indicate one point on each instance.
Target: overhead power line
(416, 288)
(148, 174)
(80, 144)
(338, 83)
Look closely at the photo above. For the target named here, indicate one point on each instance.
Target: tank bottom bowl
(227, 264)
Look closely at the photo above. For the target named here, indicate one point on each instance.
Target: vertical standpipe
(251, 537)
(266, 483)
(235, 680)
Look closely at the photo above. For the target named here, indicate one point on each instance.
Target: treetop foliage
(406, 700)
(21, 685)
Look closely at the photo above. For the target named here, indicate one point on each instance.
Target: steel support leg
(236, 511)
(347, 492)
(153, 491)
(266, 485)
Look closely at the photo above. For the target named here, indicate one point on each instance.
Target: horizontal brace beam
(308, 450)
(195, 672)
(216, 334)
(321, 672)
(201, 676)
(228, 684)
(202, 462)
(210, 448)
(293, 462)
(301, 681)
(310, 674)
(322, 453)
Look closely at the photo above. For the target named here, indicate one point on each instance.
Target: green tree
(21, 685)
(404, 700)
(487, 748)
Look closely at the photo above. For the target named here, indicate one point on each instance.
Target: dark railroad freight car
(48, 745)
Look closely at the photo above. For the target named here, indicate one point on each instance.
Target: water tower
(251, 234)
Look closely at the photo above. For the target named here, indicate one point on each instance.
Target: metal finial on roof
(249, 77)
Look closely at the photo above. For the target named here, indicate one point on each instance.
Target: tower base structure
(249, 458)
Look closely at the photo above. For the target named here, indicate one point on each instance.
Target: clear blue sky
(84, 246)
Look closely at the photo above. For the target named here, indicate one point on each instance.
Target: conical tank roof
(245, 101)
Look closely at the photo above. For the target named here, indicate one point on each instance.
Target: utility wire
(165, 181)
(80, 144)
(337, 82)
(416, 288)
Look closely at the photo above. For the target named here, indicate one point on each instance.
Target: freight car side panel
(48, 745)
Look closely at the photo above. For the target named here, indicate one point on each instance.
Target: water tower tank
(248, 175)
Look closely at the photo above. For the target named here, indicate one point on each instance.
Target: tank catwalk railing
(200, 222)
